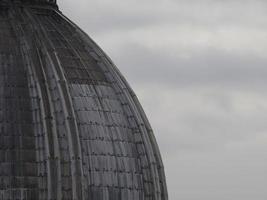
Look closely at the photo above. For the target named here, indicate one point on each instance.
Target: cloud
(125, 14)
(201, 68)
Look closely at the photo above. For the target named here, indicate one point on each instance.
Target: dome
(71, 128)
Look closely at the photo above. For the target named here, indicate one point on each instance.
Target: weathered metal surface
(70, 125)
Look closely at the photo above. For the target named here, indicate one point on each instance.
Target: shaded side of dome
(80, 130)
(18, 168)
(38, 1)
(30, 1)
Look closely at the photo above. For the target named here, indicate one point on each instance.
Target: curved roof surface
(70, 125)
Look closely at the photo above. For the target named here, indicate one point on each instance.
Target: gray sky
(199, 68)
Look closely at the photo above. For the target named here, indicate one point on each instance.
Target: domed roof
(70, 125)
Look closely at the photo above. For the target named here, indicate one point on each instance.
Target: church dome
(71, 128)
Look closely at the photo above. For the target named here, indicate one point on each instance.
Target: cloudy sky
(199, 68)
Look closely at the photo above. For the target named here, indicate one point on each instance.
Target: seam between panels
(31, 84)
(70, 120)
(84, 66)
(48, 118)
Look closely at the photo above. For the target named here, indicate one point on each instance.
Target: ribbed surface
(33, 1)
(70, 126)
(38, 1)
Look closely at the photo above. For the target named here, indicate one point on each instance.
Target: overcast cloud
(199, 68)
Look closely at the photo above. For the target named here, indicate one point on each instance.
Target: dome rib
(46, 111)
(67, 110)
